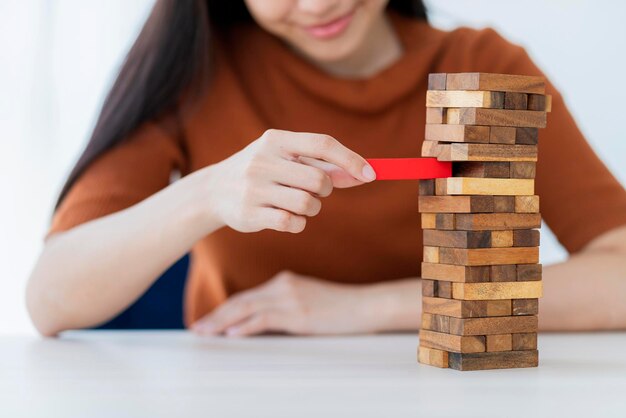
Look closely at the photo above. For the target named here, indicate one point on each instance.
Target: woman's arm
(90, 273)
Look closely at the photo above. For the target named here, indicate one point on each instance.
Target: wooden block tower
(480, 274)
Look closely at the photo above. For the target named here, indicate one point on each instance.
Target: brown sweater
(365, 234)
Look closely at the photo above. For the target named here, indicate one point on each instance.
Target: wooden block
(496, 117)
(486, 186)
(503, 273)
(527, 204)
(432, 322)
(429, 288)
(528, 272)
(539, 102)
(499, 239)
(431, 254)
(526, 136)
(456, 133)
(432, 357)
(495, 82)
(499, 342)
(488, 256)
(526, 238)
(455, 204)
(504, 204)
(488, 361)
(435, 115)
(441, 187)
(431, 149)
(444, 289)
(492, 325)
(496, 221)
(522, 170)
(429, 221)
(455, 98)
(434, 238)
(501, 135)
(466, 308)
(453, 273)
(524, 341)
(481, 169)
(514, 101)
(452, 343)
(427, 187)
(437, 81)
(444, 221)
(497, 290)
(525, 306)
(486, 152)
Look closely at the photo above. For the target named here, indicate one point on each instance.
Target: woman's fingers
(338, 177)
(231, 312)
(304, 176)
(322, 147)
(257, 324)
(293, 200)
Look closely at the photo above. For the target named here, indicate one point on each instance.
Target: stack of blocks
(480, 274)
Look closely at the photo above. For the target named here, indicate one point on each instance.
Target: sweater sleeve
(580, 198)
(125, 175)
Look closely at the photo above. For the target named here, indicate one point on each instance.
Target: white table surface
(176, 374)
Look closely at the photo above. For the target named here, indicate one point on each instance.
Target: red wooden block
(410, 168)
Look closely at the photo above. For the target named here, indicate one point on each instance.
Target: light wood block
(429, 221)
(454, 273)
(452, 98)
(455, 204)
(499, 360)
(485, 152)
(432, 357)
(431, 254)
(488, 256)
(466, 308)
(492, 325)
(487, 186)
(501, 239)
(496, 221)
(527, 204)
(434, 238)
(495, 82)
(496, 117)
(525, 306)
(456, 133)
(437, 81)
(499, 342)
(497, 290)
(435, 115)
(452, 343)
(525, 341)
(439, 323)
(431, 149)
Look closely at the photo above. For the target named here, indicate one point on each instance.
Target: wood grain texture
(434, 238)
(495, 82)
(527, 204)
(526, 238)
(444, 289)
(514, 101)
(488, 256)
(524, 341)
(496, 117)
(503, 273)
(522, 170)
(428, 288)
(525, 306)
(497, 290)
(481, 169)
(492, 325)
(466, 308)
(496, 221)
(454, 273)
(540, 102)
(431, 149)
(429, 221)
(452, 343)
(500, 239)
(455, 204)
(455, 98)
(435, 115)
(432, 322)
(430, 254)
(501, 135)
(529, 272)
(504, 204)
(486, 152)
(486, 186)
(432, 357)
(526, 136)
(427, 187)
(444, 221)
(499, 342)
(488, 361)
(456, 133)
(437, 81)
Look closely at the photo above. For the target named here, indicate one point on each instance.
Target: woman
(265, 108)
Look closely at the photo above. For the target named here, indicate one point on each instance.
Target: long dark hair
(172, 55)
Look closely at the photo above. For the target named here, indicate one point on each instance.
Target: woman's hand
(296, 304)
(277, 180)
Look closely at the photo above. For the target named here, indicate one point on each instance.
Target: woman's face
(324, 30)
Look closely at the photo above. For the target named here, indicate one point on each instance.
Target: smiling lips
(331, 29)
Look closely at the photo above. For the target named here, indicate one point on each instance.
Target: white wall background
(58, 57)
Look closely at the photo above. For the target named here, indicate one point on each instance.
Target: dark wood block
(515, 101)
(503, 273)
(455, 204)
(525, 306)
(528, 272)
(493, 325)
(527, 136)
(495, 82)
(525, 341)
(526, 238)
(486, 361)
(481, 169)
(522, 169)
